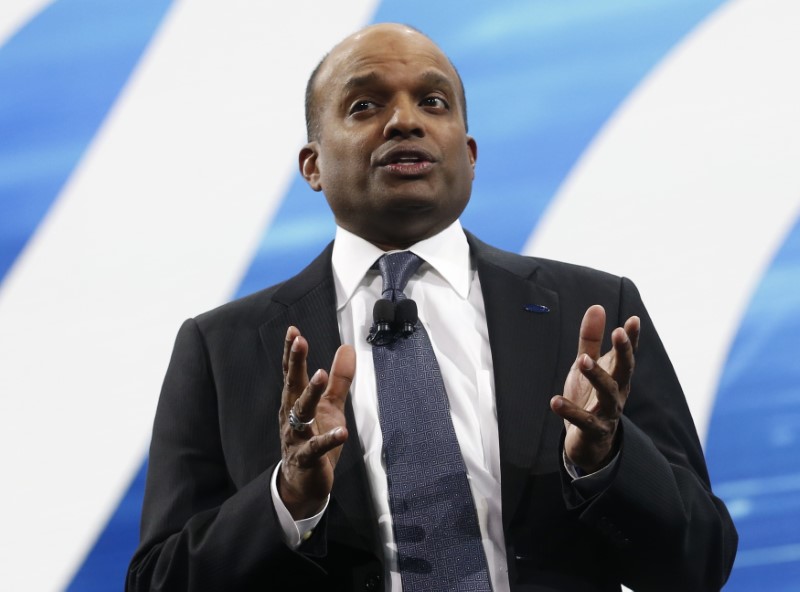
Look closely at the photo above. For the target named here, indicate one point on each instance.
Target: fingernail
(588, 363)
(337, 432)
(296, 343)
(317, 378)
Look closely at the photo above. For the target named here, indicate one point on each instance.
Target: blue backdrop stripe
(59, 76)
(756, 421)
(66, 68)
(560, 55)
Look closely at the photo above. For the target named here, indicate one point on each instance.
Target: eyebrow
(361, 81)
(429, 78)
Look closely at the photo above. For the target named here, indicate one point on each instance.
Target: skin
(596, 390)
(310, 456)
(392, 156)
(396, 165)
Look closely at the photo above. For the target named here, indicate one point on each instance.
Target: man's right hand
(310, 455)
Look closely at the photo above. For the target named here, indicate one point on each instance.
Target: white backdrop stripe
(703, 155)
(91, 285)
(16, 14)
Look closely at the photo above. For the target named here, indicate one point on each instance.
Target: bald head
(318, 78)
(388, 142)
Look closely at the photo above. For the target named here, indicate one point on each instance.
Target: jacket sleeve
(668, 530)
(200, 531)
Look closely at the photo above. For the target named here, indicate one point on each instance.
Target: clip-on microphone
(392, 320)
(405, 317)
(383, 314)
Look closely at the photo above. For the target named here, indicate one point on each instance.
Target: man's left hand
(596, 390)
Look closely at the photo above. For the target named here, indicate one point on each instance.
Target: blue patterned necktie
(435, 523)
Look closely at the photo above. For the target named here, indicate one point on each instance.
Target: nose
(405, 120)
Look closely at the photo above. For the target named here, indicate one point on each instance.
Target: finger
(296, 378)
(609, 398)
(624, 360)
(341, 378)
(291, 334)
(590, 337)
(591, 424)
(305, 407)
(310, 452)
(633, 327)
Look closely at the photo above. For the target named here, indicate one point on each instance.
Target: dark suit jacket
(208, 522)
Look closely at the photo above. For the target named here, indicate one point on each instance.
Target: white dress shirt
(448, 294)
(450, 303)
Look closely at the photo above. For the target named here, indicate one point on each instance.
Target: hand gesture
(596, 390)
(312, 425)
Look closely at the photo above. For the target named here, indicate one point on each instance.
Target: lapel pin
(537, 308)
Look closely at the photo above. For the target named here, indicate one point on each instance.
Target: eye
(362, 105)
(435, 102)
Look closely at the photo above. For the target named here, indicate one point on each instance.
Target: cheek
(340, 180)
(342, 157)
(463, 168)
(330, 168)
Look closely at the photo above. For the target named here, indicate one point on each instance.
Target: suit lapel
(308, 301)
(524, 347)
(523, 321)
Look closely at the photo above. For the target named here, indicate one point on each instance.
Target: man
(575, 497)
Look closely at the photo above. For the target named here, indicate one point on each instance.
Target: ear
(308, 165)
(472, 152)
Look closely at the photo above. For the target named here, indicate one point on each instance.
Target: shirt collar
(447, 253)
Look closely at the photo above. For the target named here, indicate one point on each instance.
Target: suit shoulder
(559, 273)
(549, 273)
(245, 310)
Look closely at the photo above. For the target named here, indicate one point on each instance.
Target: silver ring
(296, 423)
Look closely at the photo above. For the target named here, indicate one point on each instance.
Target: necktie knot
(396, 269)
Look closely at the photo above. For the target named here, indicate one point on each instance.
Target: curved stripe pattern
(666, 192)
(698, 172)
(490, 58)
(61, 71)
(14, 15)
(528, 68)
(59, 76)
(544, 77)
(754, 435)
(89, 311)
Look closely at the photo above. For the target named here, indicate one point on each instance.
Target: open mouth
(409, 167)
(407, 162)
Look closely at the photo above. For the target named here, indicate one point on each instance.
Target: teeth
(408, 159)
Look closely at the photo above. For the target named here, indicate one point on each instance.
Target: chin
(407, 228)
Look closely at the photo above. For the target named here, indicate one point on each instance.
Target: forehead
(376, 55)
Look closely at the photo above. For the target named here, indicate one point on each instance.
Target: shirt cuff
(295, 532)
(591, 483)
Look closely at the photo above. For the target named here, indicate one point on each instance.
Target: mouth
(406, 162)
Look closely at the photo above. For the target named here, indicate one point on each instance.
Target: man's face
(392, 154)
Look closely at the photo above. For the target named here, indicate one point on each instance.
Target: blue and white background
(148, 173)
